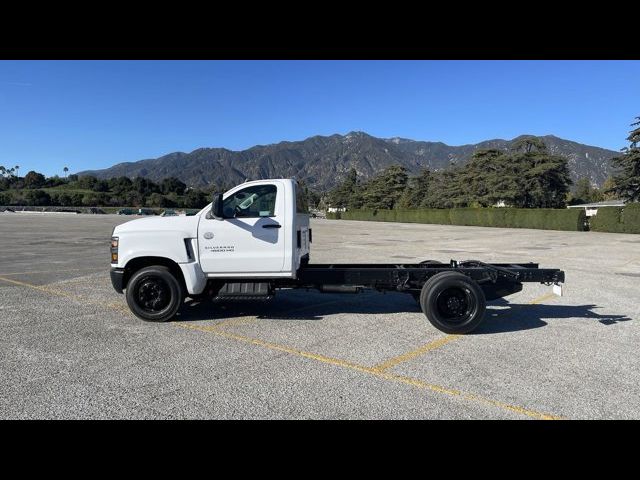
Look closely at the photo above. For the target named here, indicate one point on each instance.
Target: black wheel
(154, 294)
(453, 303)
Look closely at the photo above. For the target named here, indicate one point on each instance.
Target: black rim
(455, 304)
(153, 294)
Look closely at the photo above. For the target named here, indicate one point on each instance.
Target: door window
(251, 202)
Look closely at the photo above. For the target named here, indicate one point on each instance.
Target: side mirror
(216, 207)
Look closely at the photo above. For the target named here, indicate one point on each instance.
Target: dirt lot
(69, 348)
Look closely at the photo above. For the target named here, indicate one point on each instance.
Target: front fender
(169, 245)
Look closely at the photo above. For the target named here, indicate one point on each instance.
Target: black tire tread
(175, 285)
(432, 316)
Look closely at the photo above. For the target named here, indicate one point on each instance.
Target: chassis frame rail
(404, 277)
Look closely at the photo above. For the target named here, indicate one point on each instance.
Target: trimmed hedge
(631, 218)
(617, 219)
(540, 218)
(608, 219)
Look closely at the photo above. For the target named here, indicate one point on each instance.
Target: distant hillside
(323, 161)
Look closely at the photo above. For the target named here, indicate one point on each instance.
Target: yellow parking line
(232, 322)
(61, 293)
(51, 271)
(395, 361)
(321, 358)
(392, 362)
(414, 382)
(38, 287)
(542, 298)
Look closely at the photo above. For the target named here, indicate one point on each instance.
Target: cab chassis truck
(255, 239)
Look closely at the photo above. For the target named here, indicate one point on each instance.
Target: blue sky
(93, 114)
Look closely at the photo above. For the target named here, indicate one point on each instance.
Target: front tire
(154, 294)
(453, 302)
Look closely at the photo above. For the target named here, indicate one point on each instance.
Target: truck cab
(262, 232)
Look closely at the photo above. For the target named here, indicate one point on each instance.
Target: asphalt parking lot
(69, 348)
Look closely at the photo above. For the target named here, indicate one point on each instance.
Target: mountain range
(322, 161)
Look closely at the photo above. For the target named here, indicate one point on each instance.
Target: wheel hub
(153, 294)
(454, 304)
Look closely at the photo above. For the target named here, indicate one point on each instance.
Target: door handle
(272, 225)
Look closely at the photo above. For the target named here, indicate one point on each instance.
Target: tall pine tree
(627, 180)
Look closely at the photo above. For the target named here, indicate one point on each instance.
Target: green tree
(416, 193)
(627, 179)
(544, 179)
(134, 199)
(385, 189)
(195, 199)
(583, 192)
(486, 179)
(608, 189)
(446, 190)
(76, 199)
(65, 200)
(172, 185)
(157, 200)
(100, 186)
(65, 170)
(346, 194)
(144, 186)
(120, 185)
(86, 182)
(37, 198)
(34, 180)
(94, 199)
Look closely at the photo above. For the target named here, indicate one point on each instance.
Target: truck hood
(184, 224)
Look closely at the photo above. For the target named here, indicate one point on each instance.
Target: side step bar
(244, 291)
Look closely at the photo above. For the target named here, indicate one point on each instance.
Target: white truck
(254, 240)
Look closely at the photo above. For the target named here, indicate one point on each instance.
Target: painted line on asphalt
(320, 358)
(50, 271)
(440, 342)
(392, 362)
(72, 296)
(42, 288)
(543, 298)
(414, 382)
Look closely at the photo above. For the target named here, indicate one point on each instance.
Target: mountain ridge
(322, 161)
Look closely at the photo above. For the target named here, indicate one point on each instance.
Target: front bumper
(117, 278)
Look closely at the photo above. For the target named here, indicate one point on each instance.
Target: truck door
(250, 239)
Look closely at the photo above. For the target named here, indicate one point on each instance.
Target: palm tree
(3, 170)
(65, 170)
(17, 167)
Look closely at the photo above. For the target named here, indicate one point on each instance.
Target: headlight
(114, 249)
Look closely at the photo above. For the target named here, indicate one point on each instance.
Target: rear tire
(453, 302)
(154, 294)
